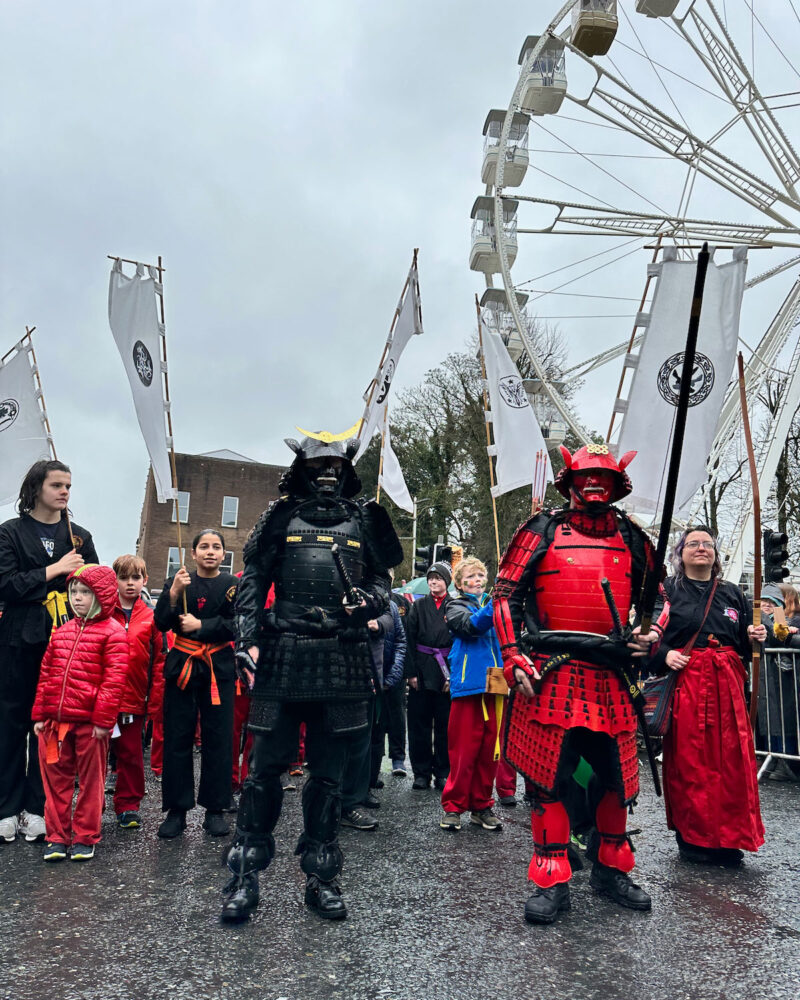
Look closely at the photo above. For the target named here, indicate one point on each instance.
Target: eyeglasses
(699, 545)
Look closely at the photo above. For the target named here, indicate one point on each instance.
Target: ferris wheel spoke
(729, 70)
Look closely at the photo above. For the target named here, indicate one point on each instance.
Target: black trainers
(618, 886)
(325, 898)
(82, 852)
(130, 820)
(358, 820)
(216, 825)
(173, 825)
(544, 906)
(54, 852)
(421, 783)
(371, 801)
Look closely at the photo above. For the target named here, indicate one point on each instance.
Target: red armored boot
(549, 869)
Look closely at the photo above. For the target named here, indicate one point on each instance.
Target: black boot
(173, 825)
(325, 898)
(240, 897)
(545, 904)
(618, 886)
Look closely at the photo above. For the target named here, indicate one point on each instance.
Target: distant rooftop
(227, 456)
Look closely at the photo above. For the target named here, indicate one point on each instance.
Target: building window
(174, 563)
(230, 512)
(226, 566)
(183, 507)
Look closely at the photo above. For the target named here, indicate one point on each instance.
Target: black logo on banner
(513, 391)
(143, 363)
(9, 411)
(701, 382)
(387, 382)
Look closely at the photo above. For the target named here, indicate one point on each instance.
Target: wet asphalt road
(432, 915)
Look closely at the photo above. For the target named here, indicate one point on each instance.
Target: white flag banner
(408, 325)
(392, 479)
(23, 432)
(517, 434)
(649, 416)
(133, 316)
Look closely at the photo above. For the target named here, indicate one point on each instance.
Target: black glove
(244, 662)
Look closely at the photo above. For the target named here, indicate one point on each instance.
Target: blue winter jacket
(475, 646)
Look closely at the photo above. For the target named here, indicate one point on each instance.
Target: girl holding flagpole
(38, 550)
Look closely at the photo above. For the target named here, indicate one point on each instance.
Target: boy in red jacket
(77, 700)
(144, 687)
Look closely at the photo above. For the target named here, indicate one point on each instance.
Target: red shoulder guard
(509, 593)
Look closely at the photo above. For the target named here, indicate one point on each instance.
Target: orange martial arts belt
(198, 651)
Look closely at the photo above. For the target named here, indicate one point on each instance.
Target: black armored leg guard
(253, 847)
(321, 857)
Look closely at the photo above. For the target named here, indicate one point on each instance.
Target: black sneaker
(130, 820)
(54, 852)
(371, 801)
(173, 825)
(358, 820)
(420, 784)
(82, 852)
(216, 825)
(399, 768)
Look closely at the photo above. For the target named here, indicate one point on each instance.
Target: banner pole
(173, 466)
(488, 432)
(383, 443)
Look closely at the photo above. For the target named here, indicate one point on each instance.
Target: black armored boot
(253, 846)
(320, 855)
(545, 904)
(618, 886)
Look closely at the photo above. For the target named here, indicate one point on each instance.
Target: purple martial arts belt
(440, 655)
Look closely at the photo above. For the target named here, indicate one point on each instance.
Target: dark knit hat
(442, 569)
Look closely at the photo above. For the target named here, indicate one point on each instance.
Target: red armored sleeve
(508, 596)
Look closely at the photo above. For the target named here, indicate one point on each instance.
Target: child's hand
(99, 733)
(179, 584)
(38, 728)
(189, 623)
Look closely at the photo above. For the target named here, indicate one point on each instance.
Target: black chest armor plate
(306, 574)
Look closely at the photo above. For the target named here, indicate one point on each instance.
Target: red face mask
(592, 486)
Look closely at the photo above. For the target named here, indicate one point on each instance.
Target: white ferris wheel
(633, 127)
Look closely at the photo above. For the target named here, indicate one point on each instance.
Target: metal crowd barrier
(778, 722)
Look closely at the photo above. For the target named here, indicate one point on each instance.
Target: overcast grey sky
(284, 159)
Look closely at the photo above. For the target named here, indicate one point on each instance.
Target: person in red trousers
(77, 699)
(478, 693)
(143, 689)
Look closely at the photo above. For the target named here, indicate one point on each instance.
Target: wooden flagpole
(751, 459)
(488, 432)
(383, 444)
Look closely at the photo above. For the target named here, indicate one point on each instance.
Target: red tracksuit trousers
(127, 747)
(85, 755)
(472, 743)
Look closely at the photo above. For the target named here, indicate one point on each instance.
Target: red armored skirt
(710, 774)
(573, 695)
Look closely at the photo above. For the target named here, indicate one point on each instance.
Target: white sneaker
(8, 829)
(31, 826)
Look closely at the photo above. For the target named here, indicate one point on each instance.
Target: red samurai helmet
(594, 458)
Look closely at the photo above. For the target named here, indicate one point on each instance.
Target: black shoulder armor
(263, 526)
(383, 538)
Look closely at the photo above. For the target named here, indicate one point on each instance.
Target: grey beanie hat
(442, 569)
(771, 592)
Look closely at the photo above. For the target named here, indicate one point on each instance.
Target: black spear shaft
(653, 577)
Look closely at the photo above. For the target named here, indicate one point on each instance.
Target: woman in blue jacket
(476, 712)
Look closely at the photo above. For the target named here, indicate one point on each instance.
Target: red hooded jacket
(145, 660)
(84, 668)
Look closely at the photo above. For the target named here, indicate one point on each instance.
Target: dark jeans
(390, 721)
(428, 715)
(357, 774)
(181, 707)
(20, 777)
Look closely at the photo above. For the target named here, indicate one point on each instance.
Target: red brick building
(219, 489)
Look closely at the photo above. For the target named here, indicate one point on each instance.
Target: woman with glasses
(710, 783)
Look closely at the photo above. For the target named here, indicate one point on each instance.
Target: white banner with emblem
(23, 431)
(133, 317)
(650, 409)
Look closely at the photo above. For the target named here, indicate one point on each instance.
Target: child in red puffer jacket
(80, 689)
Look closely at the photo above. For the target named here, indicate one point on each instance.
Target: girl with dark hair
(38, 550)
(199, 678)
(710, 774)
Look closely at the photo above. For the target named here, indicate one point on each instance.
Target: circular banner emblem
(143, 363)
(513, 391)
(387, 382)
(9, 411)
(669, 379)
